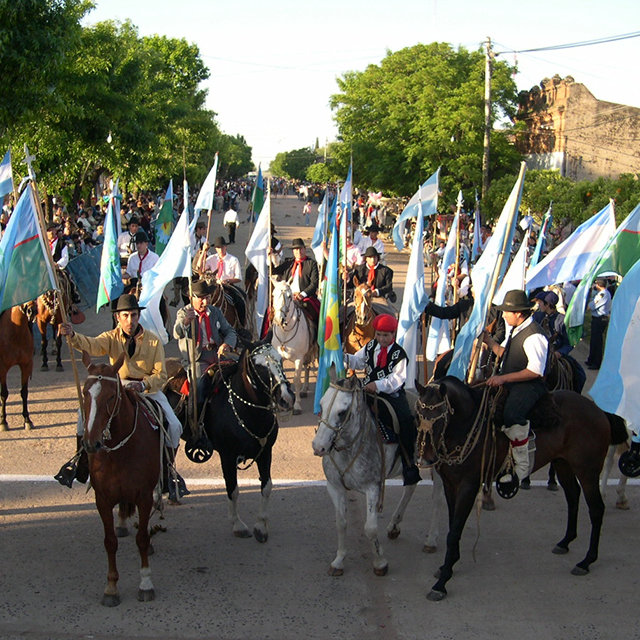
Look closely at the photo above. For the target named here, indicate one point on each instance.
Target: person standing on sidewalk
(230, 221)
(600, 307)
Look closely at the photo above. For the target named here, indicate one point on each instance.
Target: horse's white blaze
(145, 579)
(94, 392)
(332, 404)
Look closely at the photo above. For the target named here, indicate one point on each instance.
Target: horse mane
(460, 388)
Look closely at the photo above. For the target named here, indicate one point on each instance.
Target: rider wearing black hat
(522, 368)
(143, 259)
(378, 276)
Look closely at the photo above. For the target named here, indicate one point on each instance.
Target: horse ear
(443, 389)
(86, 359)
(118, 363)
(356, 281)
(419, 388)
(332, 374)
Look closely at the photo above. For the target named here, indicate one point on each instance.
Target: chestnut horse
(124, 461)
(16, 348)
(359, 323)
(469, 452)
(48, 313)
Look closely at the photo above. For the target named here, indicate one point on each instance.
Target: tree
(293, 164)
(321, 173)
(421, 108)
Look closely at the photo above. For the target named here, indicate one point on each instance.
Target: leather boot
(172, 482)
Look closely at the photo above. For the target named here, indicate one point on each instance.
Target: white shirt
(366, 242)
(196, 243)
(536, 347)
(230, 267)
(143, 265)
(230, 216)
(64, 257)
(126, 244)
(391, 383)
(354, 256)
(600, 306)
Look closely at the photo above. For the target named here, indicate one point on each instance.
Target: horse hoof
(122, 532)
(552, 486)
(579, 571)
(243, 533)
(111, 600)
(623, 504)
(297, 412)
(392, 534)
(303, 394)
(560, 551)
(260, 536)
(4, 426)
(59, 369)
(336, 573)
(28, 425)
(44, 367)
(146, 595)
(427, 548)
(488, 505)
(382, 571)
(436, 596)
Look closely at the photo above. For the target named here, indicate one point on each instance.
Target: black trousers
(599, 326)
(231, 226)
(522, 398)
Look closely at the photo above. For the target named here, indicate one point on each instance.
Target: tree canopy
(422, 108)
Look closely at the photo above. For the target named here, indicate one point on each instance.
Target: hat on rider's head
(127, 302)
(200, 288)
(371, 252)
(219, 241)
(549, 297)
(134, 220)
(373, 227)
(52, 225)
(385, 322)
(298, 243)
(141, 236)
(515, 300)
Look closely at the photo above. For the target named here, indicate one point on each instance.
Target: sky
(274, 64)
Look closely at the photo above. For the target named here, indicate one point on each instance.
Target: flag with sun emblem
(329, 340)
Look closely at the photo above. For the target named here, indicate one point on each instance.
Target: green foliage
(421, 108)
(321, 173)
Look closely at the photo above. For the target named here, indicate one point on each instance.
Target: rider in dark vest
(522, 368)
(385, 364)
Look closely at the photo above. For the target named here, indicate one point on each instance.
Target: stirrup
(629, 464)
(177, 487)
(68, 472)
(508, 488)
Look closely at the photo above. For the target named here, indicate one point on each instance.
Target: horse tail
(618, 428)
(126, 510)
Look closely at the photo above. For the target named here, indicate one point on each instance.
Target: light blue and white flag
(414, 300)
(542, 237)
(427, 194)
(6, 175)
(256, 253)
(346, 194)
(439, 337)
(617, 387)
(175, 262)
(207, 194)
(515, 275)
(320, 233)
(476, 247)
(572, 259)
(490, 268)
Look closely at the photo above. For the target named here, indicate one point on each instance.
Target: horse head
(267, 372)
(362, 303)
(342, 412)
(283, 304)
(102, 396)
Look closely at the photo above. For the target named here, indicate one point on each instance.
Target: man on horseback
(143, 259)
(143, 369)
(214, 335)
(301, 272)
(522, 368)
(385, 364)
(127, 240)
(378, 276)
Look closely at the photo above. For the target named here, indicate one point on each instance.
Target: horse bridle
(338, 430)
(425, 425)
(367, 316)
(285, 313)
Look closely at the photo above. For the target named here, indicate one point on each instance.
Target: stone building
(569, 129)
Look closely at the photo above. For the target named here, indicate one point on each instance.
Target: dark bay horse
(241, 424)
(469, 452)
(16, 348)
(124, 462)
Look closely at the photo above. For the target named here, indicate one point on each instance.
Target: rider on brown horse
(378, 276)
(524, 357)
(385, 365)
(143, 369)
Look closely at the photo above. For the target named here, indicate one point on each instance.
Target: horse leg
(571, 489)
(380, 564)
(146, 592)
(111, 597)
(260, 528)
(297, 407)
(621, 490)
(304, 392)
(59, 366)
(44, 347)
(595, 503)
(230, 472)
(460, 502)
(4, 394)
(24, 392)
(393, 530)
(431, 543)
(338, 496)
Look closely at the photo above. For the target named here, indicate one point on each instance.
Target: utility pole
(487, 117)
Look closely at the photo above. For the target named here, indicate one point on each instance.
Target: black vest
(57, 252)
(514, 358)
(394, 355)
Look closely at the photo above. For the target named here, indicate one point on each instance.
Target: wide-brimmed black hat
(219, 241)
(127, 302)
(298, 243)
(516, 300)
(141, 236)
(371, 252)
(200, 288)
(133, 220)
(373, 227)
(52, 225)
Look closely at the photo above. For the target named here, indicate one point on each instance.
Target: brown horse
(225, 298)
(124, 461)
(469, 452)
(48, 313)
(16, 348)
(359, 324)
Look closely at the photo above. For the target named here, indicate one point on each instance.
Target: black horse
(457, 431)
(241, 424)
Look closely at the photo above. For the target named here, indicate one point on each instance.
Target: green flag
(257, 200)
(164, 221)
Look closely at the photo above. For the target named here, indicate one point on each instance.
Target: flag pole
(63, 312)
(269, 264)
(494, 283)
(193, 391)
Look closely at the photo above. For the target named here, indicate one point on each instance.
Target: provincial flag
(110, 285)
(207, 194)
(256, 253)
(257, 199)
(164, 221)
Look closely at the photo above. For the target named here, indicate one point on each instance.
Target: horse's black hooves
(110, 600)
(436, 596)
(122, 532)
(260, 536)
(560, 551)
(579, 571)
(243, 533)
(44, 367)
(59, 369)
(552, 486)
(382, 571)
(146, 595)
(3, 426)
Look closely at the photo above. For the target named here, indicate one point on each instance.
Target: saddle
(545, 415)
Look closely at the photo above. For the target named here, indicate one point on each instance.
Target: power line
(573, 45)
